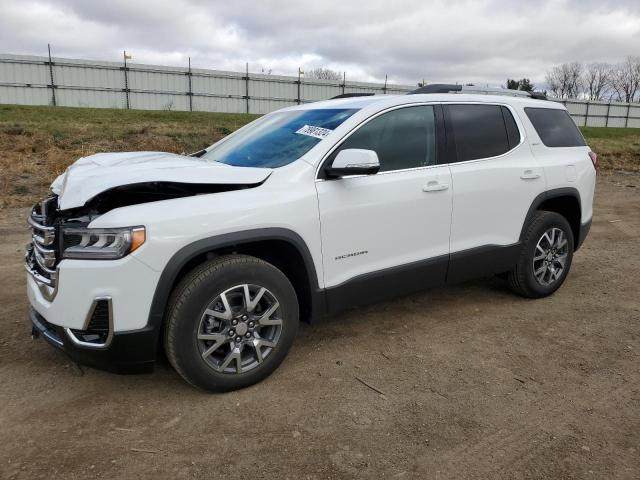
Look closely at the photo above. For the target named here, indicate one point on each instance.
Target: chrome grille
(41, 258)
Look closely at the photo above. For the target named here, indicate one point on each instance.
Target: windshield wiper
(199, 153)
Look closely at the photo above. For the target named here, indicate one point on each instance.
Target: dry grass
(38, 143)
(617, 148)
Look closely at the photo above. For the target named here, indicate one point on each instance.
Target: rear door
(495, 179)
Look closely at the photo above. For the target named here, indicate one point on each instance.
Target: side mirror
(353, 161)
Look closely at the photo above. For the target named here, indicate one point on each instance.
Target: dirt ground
(477, 383)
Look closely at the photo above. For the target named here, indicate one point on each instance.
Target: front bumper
(127, 352)
(65, 314)
(129, 282)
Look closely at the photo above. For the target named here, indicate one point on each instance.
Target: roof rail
(451, 88)
(349, 95)
(437, 88)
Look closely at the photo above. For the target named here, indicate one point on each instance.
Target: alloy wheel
(239, 329)
(550, 257)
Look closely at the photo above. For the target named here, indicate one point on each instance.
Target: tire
(536, 277)
(220, 336)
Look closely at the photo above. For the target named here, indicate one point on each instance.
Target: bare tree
(555, 82)
(625, 79)
(596, 80)
(323, 74)
(565, 81)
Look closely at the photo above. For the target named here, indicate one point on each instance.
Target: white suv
(302, 213)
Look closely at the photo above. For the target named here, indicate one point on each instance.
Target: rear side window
(555, 127)
(480, 131)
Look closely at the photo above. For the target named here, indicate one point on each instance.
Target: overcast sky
(475, 41)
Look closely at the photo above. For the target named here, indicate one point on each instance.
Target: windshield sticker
(317, 132)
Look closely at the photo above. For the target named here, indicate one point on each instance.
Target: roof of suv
(391, 100)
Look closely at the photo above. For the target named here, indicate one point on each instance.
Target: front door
(388, 233)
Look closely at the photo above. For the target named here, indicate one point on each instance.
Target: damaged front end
(79, 312)
(49, 223)
(119, 179)
(64, 234)
(134, 194)
(58, 234)
(99, 183)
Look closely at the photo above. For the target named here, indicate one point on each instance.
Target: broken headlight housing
(101, 243)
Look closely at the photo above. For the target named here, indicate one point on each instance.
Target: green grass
(609, 133)
(617, 148)
(38, 143)
(50, 117)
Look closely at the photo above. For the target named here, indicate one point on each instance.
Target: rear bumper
(584, 231)
(128, 352)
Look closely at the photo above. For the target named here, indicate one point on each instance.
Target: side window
(513, 134)
(402, 138)
(480, 131)
(555, 127)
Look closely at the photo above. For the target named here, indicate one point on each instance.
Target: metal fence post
(126, 79)
(246, 85)
(626, 120)
(190, 92)
(299, 84)
(586, 116)
(344, 81)
(53, 85)
(384, 89)
(606, 118)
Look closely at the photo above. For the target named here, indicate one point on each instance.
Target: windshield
(279, 138)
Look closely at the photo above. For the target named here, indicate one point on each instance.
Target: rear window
(480, 131)
(555, 127)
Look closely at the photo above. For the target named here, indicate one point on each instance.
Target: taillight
(594, 159)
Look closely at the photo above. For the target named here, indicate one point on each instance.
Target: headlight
(101, 243)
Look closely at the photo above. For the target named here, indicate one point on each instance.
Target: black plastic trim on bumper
(129, 352)
(584, 231)
(40, 327)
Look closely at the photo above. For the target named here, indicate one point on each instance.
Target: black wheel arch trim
(189, 252)
(549, 194)
(584, 231)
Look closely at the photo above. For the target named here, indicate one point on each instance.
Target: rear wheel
(545, 259)
(231, 323)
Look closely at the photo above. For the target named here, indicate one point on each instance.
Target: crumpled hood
(92, 175)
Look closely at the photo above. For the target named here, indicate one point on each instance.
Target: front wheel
(231, 322)
(545, 259)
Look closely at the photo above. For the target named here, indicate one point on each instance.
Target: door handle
(435, 187)
(529, 175)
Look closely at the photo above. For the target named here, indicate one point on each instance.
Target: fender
(554, 193)
(189, 252)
